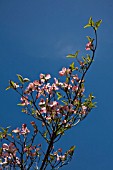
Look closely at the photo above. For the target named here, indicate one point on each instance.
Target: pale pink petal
(5, 146)
(48, 76)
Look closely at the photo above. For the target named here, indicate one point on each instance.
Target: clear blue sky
(35, 36)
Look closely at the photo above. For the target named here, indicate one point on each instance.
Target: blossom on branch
(89, 46)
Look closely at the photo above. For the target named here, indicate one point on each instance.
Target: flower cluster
(57, 107)
(21, 147)
(23, 131)
(8, 155)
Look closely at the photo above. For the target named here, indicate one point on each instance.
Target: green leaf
(90, 39)
(91, 105)
(20, 78)
(1, 149)
(9, 134)
(8, 88)
(76, 54)
(12, 84)
(73, 55)
(83, 58)
(52, 157)
(72, 66)
(26, 80)
(86, 26)
(63, 101)
(5, 130)
(20, 104)
(91, 97)
(1, 135)
(60, 131)
(70, 56)
(45, 134)
(71, 150)
(90, 23)
(88, 58)
(67, 80)
(97, 24)
(59, 95)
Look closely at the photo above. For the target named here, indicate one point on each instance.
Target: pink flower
(48, 118)
(32, 123)
(42, 102)
(10, 148)
(84, 109)
(68, 86)
(42, 76)
(38, 95)
(48, 76)
(89, 46)
(16, 130)
(62, 72)
(31, 87)
(5, 146)
(76, 77)
(63, 157)
(54, 87)
(64, 121)
(68, 71)
(60, 150)
(25, 130)
(4, 163)
(17, 161)
(24, 100)
(16, 85)
(56, 81)
(72, 81)
(43, 110)
(37, 83)
(74, 88)
(54, 103)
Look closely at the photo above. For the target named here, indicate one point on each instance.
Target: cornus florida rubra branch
(55, 108)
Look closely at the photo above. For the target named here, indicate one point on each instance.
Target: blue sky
(35, 37)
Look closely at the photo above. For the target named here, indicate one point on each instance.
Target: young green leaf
(26, 80)
(59, 95)
(70, 56)
(8, 88)
(97, 24)
(86, 26)
(65, 102)
(90, 39)
(20, 104)
(52, 157)
(20, 78)
(12, 84)
(76, 54)
(45, 134)
(88, 58)
(71, 150)
(67, 80)
(90, 23)
(73, 55)
(72, 66)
